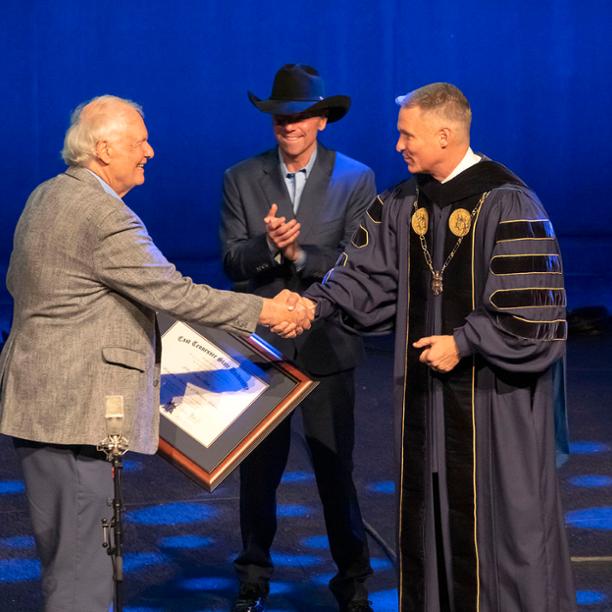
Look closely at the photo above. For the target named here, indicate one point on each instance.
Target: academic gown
(486, 429)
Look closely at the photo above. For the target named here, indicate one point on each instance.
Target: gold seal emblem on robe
(420, 221)
(460, 222)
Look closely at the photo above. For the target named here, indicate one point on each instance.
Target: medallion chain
(437, 286)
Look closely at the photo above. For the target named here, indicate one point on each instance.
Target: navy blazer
(337, 193)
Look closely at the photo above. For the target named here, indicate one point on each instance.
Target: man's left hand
(441, 352)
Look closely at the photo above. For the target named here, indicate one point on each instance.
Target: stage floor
(180, 540)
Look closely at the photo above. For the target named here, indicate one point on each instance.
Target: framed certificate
(220, 396)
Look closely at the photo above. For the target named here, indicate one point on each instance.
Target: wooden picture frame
(279, 385)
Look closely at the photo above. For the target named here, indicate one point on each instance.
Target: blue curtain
(538, 76)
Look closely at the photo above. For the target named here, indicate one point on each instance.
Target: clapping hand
(283, 234)
(287, 314)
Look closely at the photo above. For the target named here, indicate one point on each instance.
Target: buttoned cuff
(276, 255)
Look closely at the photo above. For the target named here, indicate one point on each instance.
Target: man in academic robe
(463, 261)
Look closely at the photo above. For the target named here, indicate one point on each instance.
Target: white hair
(92, 121)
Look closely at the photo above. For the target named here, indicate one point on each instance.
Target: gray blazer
(335, 197)
(86, 281)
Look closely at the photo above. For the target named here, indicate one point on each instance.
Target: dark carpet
(180, 540)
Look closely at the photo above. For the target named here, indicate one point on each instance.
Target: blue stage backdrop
(538, 75)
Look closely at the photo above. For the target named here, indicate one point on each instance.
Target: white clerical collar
(469, 159)
(105, 185)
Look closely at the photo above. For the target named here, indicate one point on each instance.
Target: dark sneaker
(359, 605)
(251, 598)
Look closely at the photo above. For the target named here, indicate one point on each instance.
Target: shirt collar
(105, 185)
(469, 159)
(306, 169)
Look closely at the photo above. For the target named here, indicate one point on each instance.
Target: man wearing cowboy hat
(286, 216)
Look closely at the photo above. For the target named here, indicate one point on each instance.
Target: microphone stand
(114, 447)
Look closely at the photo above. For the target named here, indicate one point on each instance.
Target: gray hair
(443, 99)
(92, 121)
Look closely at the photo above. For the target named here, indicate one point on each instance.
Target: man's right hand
(286, 314)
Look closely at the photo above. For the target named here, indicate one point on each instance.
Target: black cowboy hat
(298, 88)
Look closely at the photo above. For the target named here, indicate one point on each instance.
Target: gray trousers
(67, 489)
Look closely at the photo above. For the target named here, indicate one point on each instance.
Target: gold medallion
(420, 221)
(459, 222)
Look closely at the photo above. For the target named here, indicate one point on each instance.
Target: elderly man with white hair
(87, 281)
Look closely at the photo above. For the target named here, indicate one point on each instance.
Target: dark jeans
(329, 430)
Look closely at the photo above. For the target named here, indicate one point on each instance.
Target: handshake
(287, 314)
